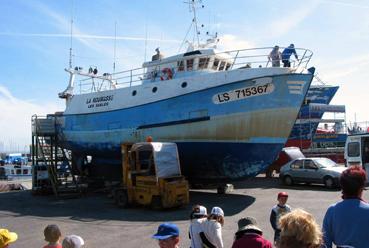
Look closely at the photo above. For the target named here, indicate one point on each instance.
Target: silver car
(311, 170)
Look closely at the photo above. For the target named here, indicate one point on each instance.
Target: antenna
(192, 6)
(71, 36)
(145, 38)
(115, 44)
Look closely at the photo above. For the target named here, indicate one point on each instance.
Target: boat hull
(302, 133)
(219, 138)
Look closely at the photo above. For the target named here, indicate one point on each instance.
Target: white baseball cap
(201, 210)
(73, 241)
(217, 211)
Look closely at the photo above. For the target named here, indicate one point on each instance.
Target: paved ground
(102, 224)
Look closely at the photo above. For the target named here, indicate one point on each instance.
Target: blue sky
(35, 42)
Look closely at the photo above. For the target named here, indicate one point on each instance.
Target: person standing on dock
(250, 235)
(286, 54)
(73, 241)
(7, 238)
(300, 229)
(198, 217)
(167, 235)
(277, 212)
(346, 223)
(52, 236)
(211, 235)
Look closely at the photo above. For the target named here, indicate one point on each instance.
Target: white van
(357, 150)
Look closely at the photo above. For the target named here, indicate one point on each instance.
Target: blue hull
(218, 163)
(225, 162)
(321, 94)
(217, 142)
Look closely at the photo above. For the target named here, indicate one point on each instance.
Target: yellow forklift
(151, 176)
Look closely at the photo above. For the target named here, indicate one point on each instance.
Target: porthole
(154, 89)
(134, 93)
(184, 85)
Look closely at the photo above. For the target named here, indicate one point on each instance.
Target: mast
(115, 45)
(71, 37)
(194, 20)
(192, 7)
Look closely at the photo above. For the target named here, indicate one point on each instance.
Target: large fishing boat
(230, 113)
(314, 106)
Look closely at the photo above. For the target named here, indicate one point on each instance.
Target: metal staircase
(52, 169)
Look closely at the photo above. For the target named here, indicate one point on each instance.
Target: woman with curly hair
(299, 229)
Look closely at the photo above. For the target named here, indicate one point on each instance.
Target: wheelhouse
(204, 60)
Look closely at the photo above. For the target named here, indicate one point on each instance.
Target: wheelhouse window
(180, 65)
(215, 64)
(189, 64)
(203, 63)
(222, 65)
(228, 66)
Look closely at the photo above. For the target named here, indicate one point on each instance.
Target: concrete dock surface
(95, 217)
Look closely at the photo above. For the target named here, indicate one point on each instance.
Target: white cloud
(88, 36)
(15, 121)
(349, 4)
(230, 42)
(291, 18)
(351, 75)
(345, 67)
(101, 50)
(62, 23)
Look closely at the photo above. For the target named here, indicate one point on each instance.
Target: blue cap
(166, 230)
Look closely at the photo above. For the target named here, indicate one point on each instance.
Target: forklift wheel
(225, 189)
(121, 198)
(156, 203)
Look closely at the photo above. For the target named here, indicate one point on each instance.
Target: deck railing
(236, 59)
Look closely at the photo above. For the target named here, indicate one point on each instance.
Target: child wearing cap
(73, 241)
(167, 235)
(7, 238)
(277, 212)
(198, 216)
(52, 236)
(211, 235)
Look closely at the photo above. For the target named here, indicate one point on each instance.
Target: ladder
(52, 169)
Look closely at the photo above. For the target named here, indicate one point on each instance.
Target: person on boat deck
(158, 55)
(275, 56)
(286, 54)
